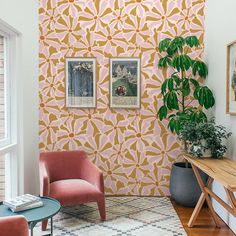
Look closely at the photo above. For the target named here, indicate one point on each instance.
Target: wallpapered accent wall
(132, 147)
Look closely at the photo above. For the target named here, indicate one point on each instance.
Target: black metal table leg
(31, 226)
(52, 226)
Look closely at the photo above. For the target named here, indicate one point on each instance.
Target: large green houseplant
(183, 95)
(184, 98)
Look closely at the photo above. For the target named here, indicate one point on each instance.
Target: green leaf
(174, 124)
(176, 79)
(205, 97)
(177, 126)
(209, 98)
(198, 116)
(194, 82)
(171, 50)
(186, 87)
(170, 84)
(182, 62)
(172, 100)
(163, 87)
(201, 96)
(162, 113)
(165, 98)
(172, 115)
(171, 125)
(179, 43)
(183, 116)
(196, 93)
(191, 109)
(201, 68)
(176, 63)
(192, 41)
(164, 44)
(165, 61)
(187, 61)
(179, 40)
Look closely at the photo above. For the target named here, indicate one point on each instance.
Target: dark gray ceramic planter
(184, 188)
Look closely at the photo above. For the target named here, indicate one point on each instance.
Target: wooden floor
(205, 225)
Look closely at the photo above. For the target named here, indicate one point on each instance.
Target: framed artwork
(125, 82)
(80, 82)
(231, 79)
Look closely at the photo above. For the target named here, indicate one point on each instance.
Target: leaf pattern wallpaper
(131, 146)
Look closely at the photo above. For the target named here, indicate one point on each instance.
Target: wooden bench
(220, 170)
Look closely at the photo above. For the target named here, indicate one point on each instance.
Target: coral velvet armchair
(13, 226)
(72, 179)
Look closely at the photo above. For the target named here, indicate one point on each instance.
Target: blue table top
(50, 208)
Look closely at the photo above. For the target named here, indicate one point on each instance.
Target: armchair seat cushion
(74, 191)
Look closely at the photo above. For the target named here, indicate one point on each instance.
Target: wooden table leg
(231, 198)
(197, 209)
(199, 205)
(204, 196)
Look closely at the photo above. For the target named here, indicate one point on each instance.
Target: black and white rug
(126, 216)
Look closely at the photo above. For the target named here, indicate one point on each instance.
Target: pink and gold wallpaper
(132, 147)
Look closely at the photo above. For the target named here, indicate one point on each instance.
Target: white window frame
(10, 145)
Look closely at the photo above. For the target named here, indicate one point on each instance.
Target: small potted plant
(184, 98)
(204, 139)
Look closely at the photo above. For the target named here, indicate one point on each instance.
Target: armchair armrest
(92, 174)
(14, 225)
(44, 180)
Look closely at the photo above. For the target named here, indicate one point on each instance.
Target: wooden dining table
(222, 171)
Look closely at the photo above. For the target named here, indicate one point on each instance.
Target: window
(3, 133)
(2, 177)
(2, 90)
(8, 112)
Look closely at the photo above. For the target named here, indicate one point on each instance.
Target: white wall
(23, 16)
(220, 29)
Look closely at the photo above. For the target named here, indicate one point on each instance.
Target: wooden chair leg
(44, 225)
(102, 209)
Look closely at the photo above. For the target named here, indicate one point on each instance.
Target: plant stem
(189, 103)
(183, 105)
(185, 150)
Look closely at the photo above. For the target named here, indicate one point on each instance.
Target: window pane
(2, 89)
(2, 177)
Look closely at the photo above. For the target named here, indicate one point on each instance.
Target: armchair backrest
(63, 164)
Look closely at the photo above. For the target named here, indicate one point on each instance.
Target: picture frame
(125, 88)
(80, 82)
(231, 79)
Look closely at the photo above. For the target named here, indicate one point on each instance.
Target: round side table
(50, 208)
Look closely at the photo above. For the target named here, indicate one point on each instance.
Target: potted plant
(204, 139)
(184, 99)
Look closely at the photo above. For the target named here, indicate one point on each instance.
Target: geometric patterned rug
(126, 216)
